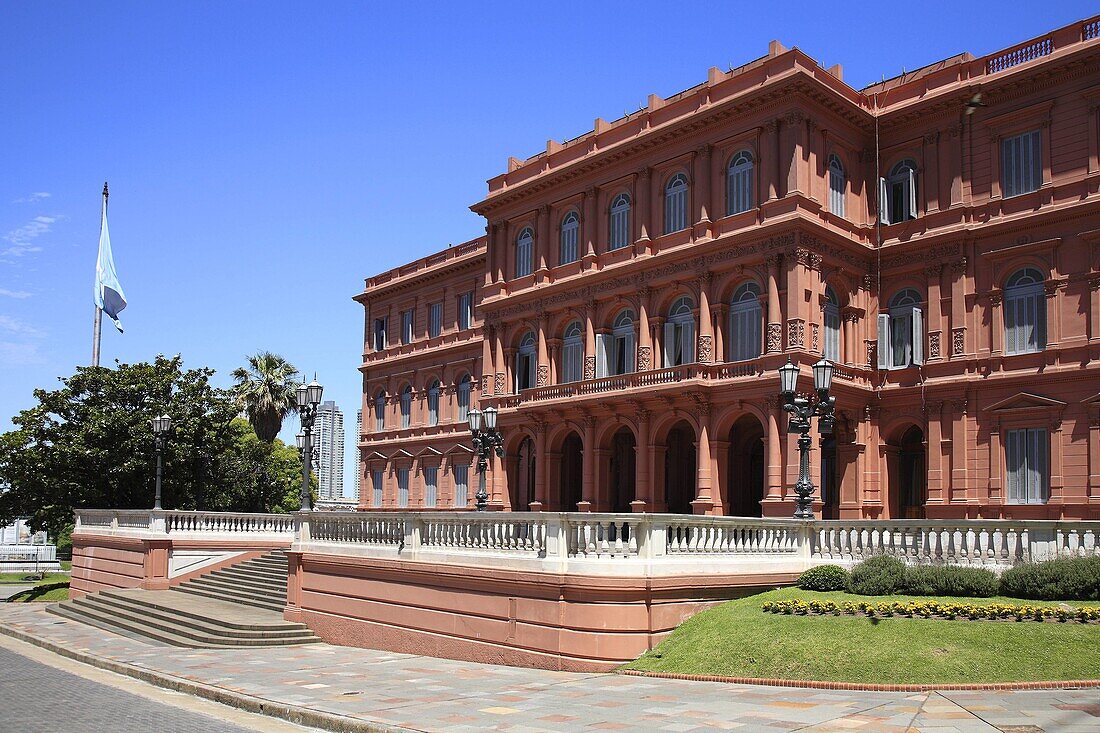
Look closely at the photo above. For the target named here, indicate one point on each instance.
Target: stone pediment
(1026, 401)
(374, 456)
(401, 453)
(459, 448)
(428, 451)
(1093, 401)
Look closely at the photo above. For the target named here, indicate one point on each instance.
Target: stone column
(501, 366)
(542, 243)
(641, 209)
(769, 160)
(935, 313)
(775, 449)
(704, 352)
(645, 360)
(590, 228)
(796, 321)
(934, 452)
(588, 483)
(542, 370)
(555, 360)
(488, 367)
(589, 340)
(704, 481)
(959, 486)
(541, 495)
(719, 313)
(702, 192)
(643, 489)
(774, 336)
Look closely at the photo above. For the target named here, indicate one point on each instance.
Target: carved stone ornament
(589, 367)
(644, 355)
(498, 383)
(543, 376)
(872, 352)
(934, 345)
(958, 341)
(485, 384)
(814, 329)
(705, 346)
(775, 337)
(796, 333)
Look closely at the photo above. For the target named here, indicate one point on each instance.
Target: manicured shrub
(948, 580)
(1064, 579)
(824, 578)
(877, 576)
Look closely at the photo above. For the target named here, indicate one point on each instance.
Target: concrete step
(275, 576)
(212, 627)
(227, 613)
(231, 588)
(245, 580)
(244, 601)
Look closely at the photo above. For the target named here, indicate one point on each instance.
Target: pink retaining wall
(529, 619)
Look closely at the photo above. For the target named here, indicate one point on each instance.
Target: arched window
(831, 350)
(524, 248)
(676, 194)
(1025, 312)
(838, 185)
(380, 411)
(572, 354)
(898, 193)
(525, 362)
(615, 350)
(433, 403)
(746, 319)
(679, 341)
(465, 385)
(739, 183)
(901, 332)
(619, 224)
(406, 406)
(570, 226)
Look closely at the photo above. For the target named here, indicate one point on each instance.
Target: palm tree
(266, 392)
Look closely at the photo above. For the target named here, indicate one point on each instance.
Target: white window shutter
(1038, 449)
(912, 194)
(630, 353)
(1012, 465)
(883, 203)
(688, 356)
(885, 354)
(516, 371)
(1040, 320)
(918, 336)
(668, 345)
(604, 344)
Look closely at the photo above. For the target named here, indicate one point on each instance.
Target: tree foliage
(266, 392)
(90, 444)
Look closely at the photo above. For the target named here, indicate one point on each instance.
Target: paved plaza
(421, 693)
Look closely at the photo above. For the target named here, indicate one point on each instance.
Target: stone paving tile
(445, 695)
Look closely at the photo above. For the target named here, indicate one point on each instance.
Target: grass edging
(242, 701)
(867, 686)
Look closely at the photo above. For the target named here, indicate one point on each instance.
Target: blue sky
(265, 157)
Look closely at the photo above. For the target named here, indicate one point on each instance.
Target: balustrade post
(157, 521)
(301, 527)
(414, 529)
(804, 539)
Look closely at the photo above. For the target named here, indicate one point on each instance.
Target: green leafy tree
(266, 392)
(90, 444)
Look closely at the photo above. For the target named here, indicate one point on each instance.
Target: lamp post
(487, 440)
(802, 409)
(309, 396)
(161, 426)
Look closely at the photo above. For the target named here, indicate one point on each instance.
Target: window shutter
(688, 356)
(1012, 466)
(1040, 306)
(630, 353)
(1038, 449)
(668, 345)
(883, 203)
(604, 345)
(885, 354)
(531, 371)
(912, 194)
(1012, 328)
(918, 336)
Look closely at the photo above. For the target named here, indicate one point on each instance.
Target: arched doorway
(830, 487)
(621, 476)
(680, 468)
(745, 468)
(523, 492)
(572, 472)
(911, 475)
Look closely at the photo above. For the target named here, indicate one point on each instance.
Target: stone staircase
(237, 606)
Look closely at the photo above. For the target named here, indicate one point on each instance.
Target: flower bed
(934, 610)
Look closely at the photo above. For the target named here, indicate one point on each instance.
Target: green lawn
(43, 592)
(20, 578)
(737, 639)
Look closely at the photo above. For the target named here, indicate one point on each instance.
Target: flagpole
(97, 328)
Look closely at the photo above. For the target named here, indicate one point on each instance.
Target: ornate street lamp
(487, 440)
(161, 427)
(802, 409)
(308, 396)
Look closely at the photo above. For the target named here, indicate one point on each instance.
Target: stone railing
(673, 543)
(159, 522)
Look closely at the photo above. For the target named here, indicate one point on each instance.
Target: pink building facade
(937, 236)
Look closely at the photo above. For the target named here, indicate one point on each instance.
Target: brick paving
(423, 693)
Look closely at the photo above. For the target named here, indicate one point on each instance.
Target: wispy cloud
(22, 239)
(32, 198)
(19, 343)
(19, 328)
(18, 294)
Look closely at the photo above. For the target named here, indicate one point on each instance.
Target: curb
(868, 686)
(249, 703)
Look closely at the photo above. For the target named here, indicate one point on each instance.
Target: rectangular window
(464, 388)
(679, 343)
(836, 193)
(380, 413)
(407, 327)
(402, 487)
(1021, 164)
(620, 227)
(832, 334)
(376, 487)
(745, 332)
(900, 338)
(525, 371)
(465, 310)
(433, 405)
(572, 362)
(462, 480)
(1025, 321)
(435, 319)
(379, 334)
(430, 486)
(1026, 465)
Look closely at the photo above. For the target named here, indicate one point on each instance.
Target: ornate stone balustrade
(148, 522)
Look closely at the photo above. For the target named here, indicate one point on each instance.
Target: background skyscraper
(328, 451)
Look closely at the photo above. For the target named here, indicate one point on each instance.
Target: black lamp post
(487, 440)
(802, 409)
(309, 396)
(161, 426)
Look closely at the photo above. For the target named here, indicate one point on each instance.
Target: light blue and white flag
(108, 292)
